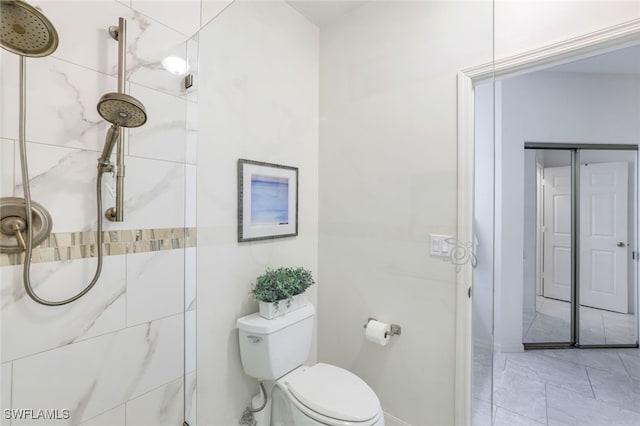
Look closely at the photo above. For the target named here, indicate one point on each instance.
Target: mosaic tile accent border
(81, 245)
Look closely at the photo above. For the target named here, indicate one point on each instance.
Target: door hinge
(469, 292)
(188, 81)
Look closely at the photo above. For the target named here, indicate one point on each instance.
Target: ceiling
(322, 12)
(623, 61)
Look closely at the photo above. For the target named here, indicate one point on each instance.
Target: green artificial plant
(282, 283)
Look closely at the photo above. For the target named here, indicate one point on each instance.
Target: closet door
(603, 236)
(557, 233)
(548, 247)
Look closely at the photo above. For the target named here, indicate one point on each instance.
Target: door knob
(621, 244)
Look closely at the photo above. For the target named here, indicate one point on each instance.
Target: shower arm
(119, 33)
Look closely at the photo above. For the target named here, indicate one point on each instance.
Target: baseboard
(390, 420)
(519, 347)
(497, 347)
(483, 344)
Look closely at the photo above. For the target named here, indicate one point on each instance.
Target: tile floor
(582, 387)
(550, 323)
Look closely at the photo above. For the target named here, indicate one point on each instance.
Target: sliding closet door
(548, 243)
(580, 239)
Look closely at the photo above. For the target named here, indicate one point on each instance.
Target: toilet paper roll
(377, 332)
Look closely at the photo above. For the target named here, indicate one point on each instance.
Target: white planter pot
(269, 311)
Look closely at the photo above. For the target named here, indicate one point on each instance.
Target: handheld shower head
(122, 110)
(25, 30)
(109, 143)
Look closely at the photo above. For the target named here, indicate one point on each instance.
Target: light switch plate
(439, 246)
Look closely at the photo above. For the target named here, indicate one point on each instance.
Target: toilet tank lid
(335, 392)
(254, 323)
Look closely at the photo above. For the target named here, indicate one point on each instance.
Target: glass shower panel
(547, 247)
(190, 252)
(608, 226)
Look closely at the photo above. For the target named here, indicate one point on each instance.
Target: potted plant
(281, 290)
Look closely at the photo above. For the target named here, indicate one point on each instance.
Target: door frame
(540, 231)
(584, 46)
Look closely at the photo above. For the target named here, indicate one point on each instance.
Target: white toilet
(322, 394)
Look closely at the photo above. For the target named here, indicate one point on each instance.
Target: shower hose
(27, 200)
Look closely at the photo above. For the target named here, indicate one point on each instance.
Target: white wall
(551, 107)
(258, 98)
(388, 180)
(523, 25)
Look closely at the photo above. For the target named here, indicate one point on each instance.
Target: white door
(557, 233)
(603, 236)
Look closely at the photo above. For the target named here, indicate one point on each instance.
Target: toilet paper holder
(396, 330)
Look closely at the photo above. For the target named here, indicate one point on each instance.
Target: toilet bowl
(321, 394)
(324, 394)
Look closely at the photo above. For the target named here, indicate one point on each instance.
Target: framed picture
(267, 201)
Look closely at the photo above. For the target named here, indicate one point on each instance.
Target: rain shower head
(25, 30)
(122, 110)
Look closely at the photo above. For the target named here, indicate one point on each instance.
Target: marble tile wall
(96, 375)
(259, 100)
(116, 356)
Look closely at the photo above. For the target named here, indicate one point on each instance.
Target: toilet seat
(332, 395)
(324, 420)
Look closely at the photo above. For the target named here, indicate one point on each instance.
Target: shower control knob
(16, 228)
(14, 225)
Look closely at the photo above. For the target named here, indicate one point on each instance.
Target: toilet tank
(271, 348)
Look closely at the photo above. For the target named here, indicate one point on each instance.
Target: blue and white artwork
(269, 200)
